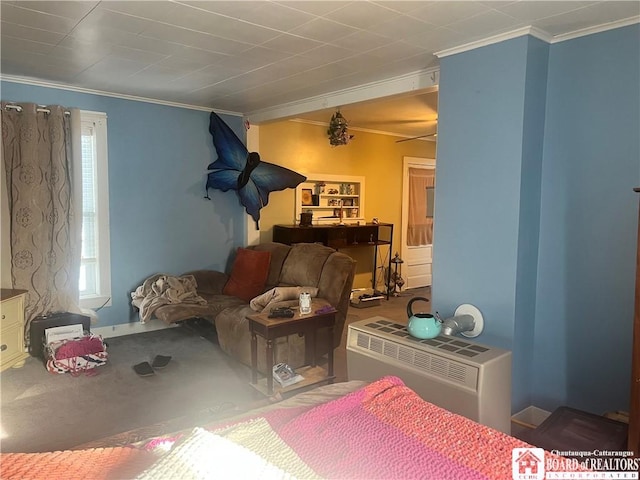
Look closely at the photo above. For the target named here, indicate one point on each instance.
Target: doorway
(418, 186)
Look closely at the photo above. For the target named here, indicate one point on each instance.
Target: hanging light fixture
(338, 130)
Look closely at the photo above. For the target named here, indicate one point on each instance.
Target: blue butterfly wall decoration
(237, 169)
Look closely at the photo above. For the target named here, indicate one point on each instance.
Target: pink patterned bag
(76, 356)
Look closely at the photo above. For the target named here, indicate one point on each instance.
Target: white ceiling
(252, 56)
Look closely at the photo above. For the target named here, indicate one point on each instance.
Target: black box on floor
(40, 324)
(571, 430)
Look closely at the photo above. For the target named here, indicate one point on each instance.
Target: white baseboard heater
(463, 377)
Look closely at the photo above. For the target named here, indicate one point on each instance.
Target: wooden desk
(308, 325)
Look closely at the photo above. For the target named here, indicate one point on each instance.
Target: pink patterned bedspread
(385, 430)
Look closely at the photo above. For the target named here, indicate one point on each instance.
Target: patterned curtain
(420, 225)
(45, 232)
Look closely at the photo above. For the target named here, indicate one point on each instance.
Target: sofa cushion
(279, 253)
(304, 264)
(210, 282)
(249, 274)
(179, 312)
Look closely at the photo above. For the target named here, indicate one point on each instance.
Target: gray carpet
(41, 411)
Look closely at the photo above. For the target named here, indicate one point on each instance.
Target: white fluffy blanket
(162, 289)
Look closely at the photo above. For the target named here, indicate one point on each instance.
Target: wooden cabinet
(334, 236)
(634, 410)
(12, 353)
(331, 198)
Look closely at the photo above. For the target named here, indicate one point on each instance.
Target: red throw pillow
(249, 274)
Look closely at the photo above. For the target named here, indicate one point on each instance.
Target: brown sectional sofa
(303, 264)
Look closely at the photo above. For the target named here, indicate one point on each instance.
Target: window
(95, 271)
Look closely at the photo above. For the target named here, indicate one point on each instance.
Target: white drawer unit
(12, 352)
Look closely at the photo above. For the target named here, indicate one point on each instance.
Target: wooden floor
(394, 309)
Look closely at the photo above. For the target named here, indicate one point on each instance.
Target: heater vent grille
(446, 344)
(375, 345)
(426, 362)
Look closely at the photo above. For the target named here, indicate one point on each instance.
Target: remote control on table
(281, 313)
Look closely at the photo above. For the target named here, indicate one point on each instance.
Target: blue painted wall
(159, 220)
(588, 223)
(538, 153)
(491, 119)
(479, 147)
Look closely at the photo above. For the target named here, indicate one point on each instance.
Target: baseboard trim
(130, 328)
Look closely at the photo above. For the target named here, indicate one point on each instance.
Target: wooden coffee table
(307, 325)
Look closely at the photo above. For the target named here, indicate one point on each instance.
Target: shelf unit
(326, 195)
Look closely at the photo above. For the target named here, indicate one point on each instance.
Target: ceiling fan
(426, 135)
(434, 134)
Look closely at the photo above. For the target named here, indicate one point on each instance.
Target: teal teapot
(422, 325)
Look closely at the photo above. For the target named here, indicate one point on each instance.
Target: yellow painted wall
(305, 148)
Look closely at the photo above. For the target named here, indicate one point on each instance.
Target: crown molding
(537, 33)
(596, 29)
(420, 80)
(102, 93)
(533, 31)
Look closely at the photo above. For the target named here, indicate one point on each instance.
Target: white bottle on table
(305, 302)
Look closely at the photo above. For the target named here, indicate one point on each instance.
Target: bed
(352, 430)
